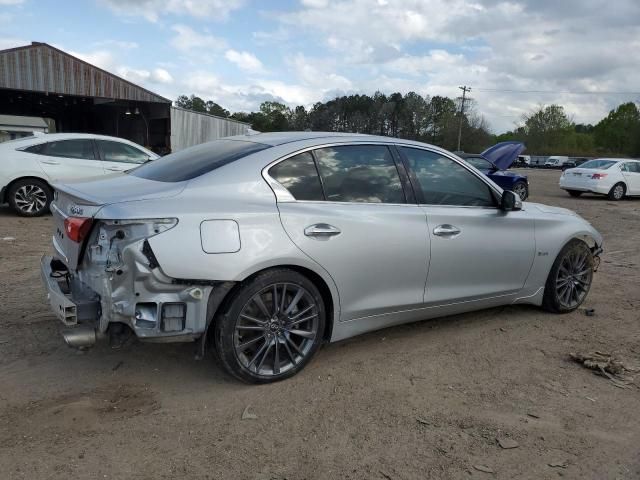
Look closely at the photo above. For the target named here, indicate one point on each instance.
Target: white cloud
(318, 74)
(12, 43)
(245, 61)
(160, 75)
(152, 10)
(315, 3)
(488, 44)
(100, 58)
(11, 2)
(119, 44)
(187, 40)
(141, 76)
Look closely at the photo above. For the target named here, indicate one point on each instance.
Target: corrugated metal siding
(192, 128)
(42, 68)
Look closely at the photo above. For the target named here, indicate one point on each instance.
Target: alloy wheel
(521, 190)
(276, 329)
(574, 278)
(618, 192)
(30, 198)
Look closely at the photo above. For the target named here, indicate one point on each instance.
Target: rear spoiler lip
(77, 195)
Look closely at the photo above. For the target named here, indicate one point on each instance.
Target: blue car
(495, 161)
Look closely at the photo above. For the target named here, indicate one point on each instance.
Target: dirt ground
(426, 400)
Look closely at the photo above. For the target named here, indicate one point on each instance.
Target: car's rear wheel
(574, 193)
(522, 190)
(617, 192)
(272, 327)
(570, 278)
(30, 197)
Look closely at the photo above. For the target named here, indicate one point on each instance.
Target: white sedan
(28, 166)
(614, 177)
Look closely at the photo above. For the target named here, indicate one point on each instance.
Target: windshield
(598, 164)
(195, 161)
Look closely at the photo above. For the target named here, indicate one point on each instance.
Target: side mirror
(510, 201)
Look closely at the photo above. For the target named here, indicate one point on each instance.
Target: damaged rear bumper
(70, 310)
(155, 307)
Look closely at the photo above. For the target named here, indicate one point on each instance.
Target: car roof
(280, 138)
(68, 136)
(50, 137)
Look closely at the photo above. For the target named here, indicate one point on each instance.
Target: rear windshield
(598, 164)
(195, 161)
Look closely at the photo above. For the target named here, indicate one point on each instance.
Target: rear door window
(299, 176)
(80, 148)
(195, 161)
(120, 152)
(359, 173)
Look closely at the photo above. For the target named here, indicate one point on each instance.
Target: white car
(28, 166)
(614, 177)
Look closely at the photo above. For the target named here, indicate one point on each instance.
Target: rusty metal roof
(40, 67)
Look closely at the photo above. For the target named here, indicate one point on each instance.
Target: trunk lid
(85, 199)
(503, 154)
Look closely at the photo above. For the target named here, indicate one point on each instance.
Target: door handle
(321, 230)
(50, 162)
(115, 169)
(446, 230)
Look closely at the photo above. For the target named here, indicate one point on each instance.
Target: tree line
(550, 131)
(546, 131)
(429, 119)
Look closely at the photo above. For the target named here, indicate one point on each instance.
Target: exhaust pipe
(79, 337)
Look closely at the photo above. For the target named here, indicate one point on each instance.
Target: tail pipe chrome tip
(79, 337)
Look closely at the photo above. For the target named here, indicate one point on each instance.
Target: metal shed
(42, 81)
(191, 128)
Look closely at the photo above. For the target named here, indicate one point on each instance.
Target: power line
(569, 92)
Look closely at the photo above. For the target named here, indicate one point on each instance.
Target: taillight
(77, 228)
(598, 176)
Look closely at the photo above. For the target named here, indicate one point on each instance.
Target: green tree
(191, 103)
(619, 132)
(215, 109)
(548, 130)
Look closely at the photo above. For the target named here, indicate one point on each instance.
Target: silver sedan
(268, 245)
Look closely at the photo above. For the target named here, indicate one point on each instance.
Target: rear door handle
(446, 230)
(50, 162)
(116, 169)
(321, 230)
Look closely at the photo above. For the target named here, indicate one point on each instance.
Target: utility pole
(464, 89)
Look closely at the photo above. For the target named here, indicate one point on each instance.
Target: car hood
(116, 188)
(503, 154)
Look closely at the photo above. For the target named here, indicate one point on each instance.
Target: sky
(515, 55)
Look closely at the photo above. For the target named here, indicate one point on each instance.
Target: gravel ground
(425, 400)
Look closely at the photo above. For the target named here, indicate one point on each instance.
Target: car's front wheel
(522, 190)
(271, 328)
(570, 278)
(30, 197)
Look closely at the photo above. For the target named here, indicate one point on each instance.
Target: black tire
(30, 197)
(552, 301)
(574, 193)
(617, 192)
(522, 189)
(228, 343)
